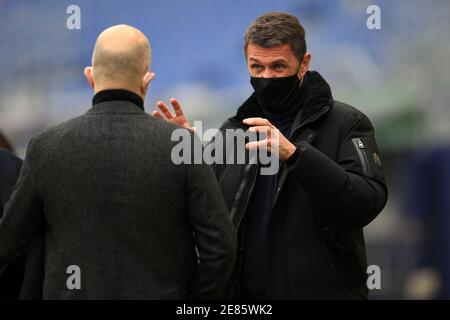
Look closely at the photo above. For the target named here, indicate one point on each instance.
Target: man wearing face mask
(300, 230)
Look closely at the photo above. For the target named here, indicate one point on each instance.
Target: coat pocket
(361, 151)
(368, 157)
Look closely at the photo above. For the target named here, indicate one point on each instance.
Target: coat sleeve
(23, 215)
(214, 234)
(9, 172)
(351, 190)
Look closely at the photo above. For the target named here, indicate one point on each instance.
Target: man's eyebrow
(284, 61)
(254, 59)
(280, 60)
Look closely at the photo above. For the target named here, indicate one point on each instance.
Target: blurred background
(398, 75)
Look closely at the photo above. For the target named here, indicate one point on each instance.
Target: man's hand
(275, 141)
(178, 118)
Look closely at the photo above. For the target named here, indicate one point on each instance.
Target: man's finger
(257, 122)
(262, 144)
(176, 106)
(157, 114)
(260, 129)
(165, 111)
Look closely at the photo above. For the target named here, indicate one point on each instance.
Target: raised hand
(178, 118)
(275, 141)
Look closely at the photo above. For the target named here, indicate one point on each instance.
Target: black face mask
(275, 94)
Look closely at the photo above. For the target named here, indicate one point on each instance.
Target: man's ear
(304, 66)
(89, 76)
(148, 77)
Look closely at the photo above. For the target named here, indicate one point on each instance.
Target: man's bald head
(122, 57)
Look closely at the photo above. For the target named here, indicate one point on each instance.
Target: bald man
(99, 187)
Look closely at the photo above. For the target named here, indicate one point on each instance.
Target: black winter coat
(326, 193)
(11, 278)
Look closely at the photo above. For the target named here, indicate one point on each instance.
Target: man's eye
(256, 66)
(279, 66)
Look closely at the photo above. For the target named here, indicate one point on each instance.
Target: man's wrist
(292, 158)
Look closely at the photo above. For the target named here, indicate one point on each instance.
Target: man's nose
(268, 73)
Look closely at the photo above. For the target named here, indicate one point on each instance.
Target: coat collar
(116, 101)
(116, 95)
(115, 107)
